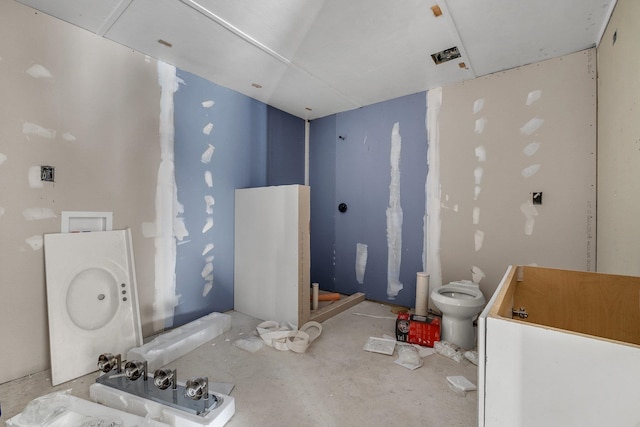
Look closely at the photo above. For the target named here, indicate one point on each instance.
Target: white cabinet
(573, 361)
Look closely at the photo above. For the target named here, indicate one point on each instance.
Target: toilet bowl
(459, 303)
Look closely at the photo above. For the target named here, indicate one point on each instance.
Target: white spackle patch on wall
(477, 175)
(35, 214)
(68, 137)
(533, 96)
(1, 211)
(432, 264)
(207, 129)
(530, 212)
(209, 258)
(179, 228)
(149, 229)
(531, 148)
(362, 252)
(208, 153)
(207, 249)
(478, 105)
(33, 175)
(207, 270)
(167, 207)
(3, 158)
(207, 288)
(476, 215)
(476, 192)
(37, 71)
(208, 225)
(480, 124)
(208, 103)
(531, 126)
(29, 128)
(209, 202)
(208, 179)
(481, 153)
(477, 274)
(478, 239)
(394, 218)
(529, 171)
(35, 241)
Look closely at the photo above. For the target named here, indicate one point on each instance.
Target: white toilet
(459, 303)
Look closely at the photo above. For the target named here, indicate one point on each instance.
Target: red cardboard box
(414, 329)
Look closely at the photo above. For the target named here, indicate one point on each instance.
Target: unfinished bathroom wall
(286, 146)
(90, 108)
(322, 180)
(220, 145)
(619, 142)
(380, 166)
(506, 142)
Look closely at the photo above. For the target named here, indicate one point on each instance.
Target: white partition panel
(272, 253)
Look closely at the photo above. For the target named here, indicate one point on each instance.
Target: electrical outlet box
(47, 173)
(536, 198)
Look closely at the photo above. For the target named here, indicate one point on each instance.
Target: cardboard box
(414, 329)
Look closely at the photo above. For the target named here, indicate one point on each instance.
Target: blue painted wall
(239, 160)
(362, 178)
(285, 148)
(322, 180)
(255, 145)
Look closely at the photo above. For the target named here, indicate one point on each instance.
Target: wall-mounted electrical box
(47, 173)
(536, 197)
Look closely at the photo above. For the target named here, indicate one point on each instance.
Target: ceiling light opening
(446, 55)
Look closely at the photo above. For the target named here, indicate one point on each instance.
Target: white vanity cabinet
(560, 348)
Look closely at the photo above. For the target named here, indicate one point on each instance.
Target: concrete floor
(335, 383)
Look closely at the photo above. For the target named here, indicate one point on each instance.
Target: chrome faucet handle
(107, 361)
(135, 369)
(197, 388)
(163, 378)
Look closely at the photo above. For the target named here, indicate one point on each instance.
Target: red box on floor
(414, 329)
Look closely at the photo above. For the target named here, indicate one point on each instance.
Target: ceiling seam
(266, 49)
(113, 17)
(461, 48)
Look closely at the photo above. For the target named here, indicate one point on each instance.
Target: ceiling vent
(446, 55)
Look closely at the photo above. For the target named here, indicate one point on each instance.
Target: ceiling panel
(335, 55)
(503, 34)
(87, 14)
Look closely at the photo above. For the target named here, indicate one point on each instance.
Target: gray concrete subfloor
(335, 383)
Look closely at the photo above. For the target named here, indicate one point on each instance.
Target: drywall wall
(619, 142)
(380, 166)
(503, 138)
(322, 180)
(90, 108)
(220, 145)
(285, 148)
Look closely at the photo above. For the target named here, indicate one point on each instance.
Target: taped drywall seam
(37, 214)
(167, 206)
(394, 218)
(307, 129)
(478, 172)
(362, 252)
(431, 255)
